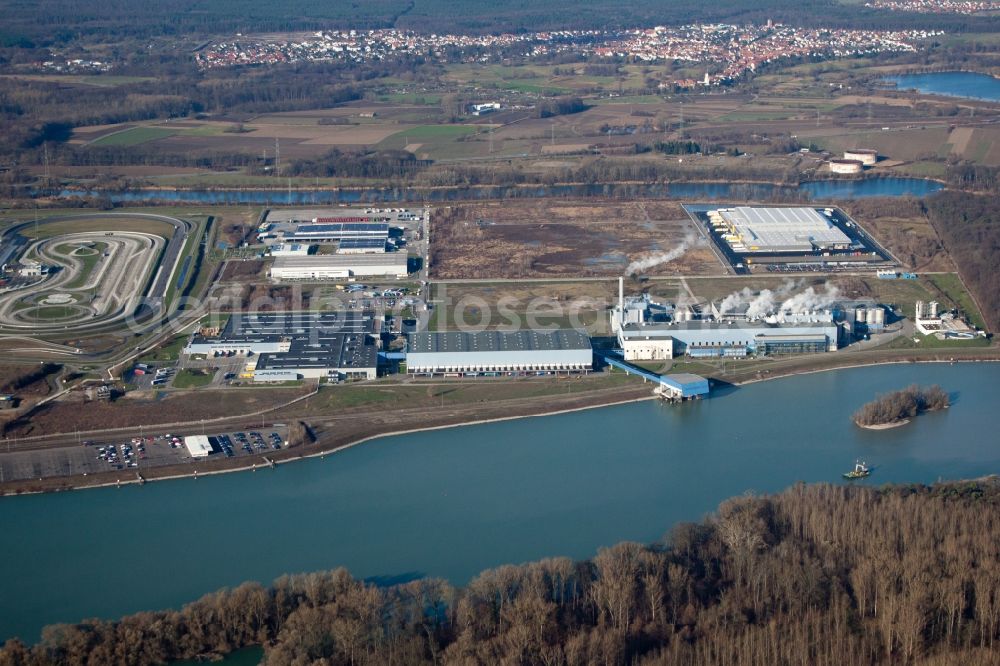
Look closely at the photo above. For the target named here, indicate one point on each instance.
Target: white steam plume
(660, 257)
(810, 300)
(759, 305)
(732, 302)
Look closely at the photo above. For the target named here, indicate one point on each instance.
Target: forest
(61, 21)
(821, 574)
(898, 406)
(969, 228)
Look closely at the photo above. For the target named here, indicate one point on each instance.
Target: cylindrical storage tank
(879, 317)
(934, 309)
(860, 314)
(846, 166)
(920, 309)
(870, 316)
(866, 156)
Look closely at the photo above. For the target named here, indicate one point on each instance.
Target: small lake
(970, 85)
(813, 190)
(452, 502)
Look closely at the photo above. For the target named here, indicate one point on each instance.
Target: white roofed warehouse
(198, 446)
(339, 266)
(753, 229)
(499, 353)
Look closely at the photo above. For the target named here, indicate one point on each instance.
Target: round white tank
(879, 316)
(846, 166)
(870, 316)
(865, 156)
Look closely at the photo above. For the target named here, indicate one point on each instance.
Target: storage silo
(859, 318)
(879, 318)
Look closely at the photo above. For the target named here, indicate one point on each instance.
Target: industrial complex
(646, 330)
(286, 346)
(351, 243)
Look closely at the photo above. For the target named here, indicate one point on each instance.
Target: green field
(420, 99)
(134, 136)
(194, 378)
(170, 351)
(48, 230)
(100, 81)
(460, 392)
(436, 140)
(89, 261)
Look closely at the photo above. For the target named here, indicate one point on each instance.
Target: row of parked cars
(249, 442)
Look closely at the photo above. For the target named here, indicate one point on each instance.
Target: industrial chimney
(621, 298)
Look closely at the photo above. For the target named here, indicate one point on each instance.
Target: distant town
(968, 7)
(733, 50)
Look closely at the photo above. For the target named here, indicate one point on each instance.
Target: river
(452, 502)
(970, 85)
(812, 190)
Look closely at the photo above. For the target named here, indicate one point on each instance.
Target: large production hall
(285, 346)
(494, 353)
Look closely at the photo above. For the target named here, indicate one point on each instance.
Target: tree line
(969, 228)
(901, 405)
(64, 21)
(823, 574)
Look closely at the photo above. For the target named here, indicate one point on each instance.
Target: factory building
(714, 339)
(930, 320)
(499, 353)
(866, 156)
(645, 336)
(339, 267)
(290, 250)
(282, 346)
(751, 229)
(335, 232)
(846, 166)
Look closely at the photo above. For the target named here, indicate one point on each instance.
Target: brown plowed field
(558, 238)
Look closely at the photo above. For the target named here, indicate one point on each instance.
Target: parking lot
(130, 455)
(146, 376)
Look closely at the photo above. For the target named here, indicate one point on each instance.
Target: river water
(813, 190)
(970, 85)
(452, 502)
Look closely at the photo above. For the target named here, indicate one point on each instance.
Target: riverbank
(341, 432)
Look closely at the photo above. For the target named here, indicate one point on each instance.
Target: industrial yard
(556, 238)
(788, 239)
(306, 310)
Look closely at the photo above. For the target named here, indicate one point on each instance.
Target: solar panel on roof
(361, 243)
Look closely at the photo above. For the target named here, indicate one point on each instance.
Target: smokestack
(621, 298)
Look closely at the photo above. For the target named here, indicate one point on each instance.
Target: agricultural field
(134, 136)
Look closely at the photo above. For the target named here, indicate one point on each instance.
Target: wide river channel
(452, 502)
(816, 190)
